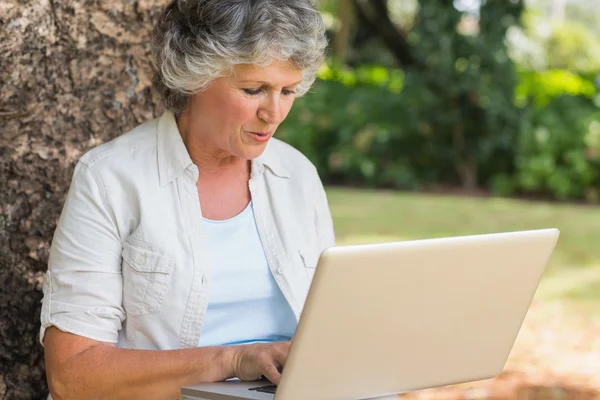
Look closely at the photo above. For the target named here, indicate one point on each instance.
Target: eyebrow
(263, 83)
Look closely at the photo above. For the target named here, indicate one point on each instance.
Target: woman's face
(238, 114)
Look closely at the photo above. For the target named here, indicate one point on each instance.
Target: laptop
(382, 319)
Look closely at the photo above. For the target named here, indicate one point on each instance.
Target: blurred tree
(445, 108)
(373, 16)
(526, 41)
(586, 12)
(457, 64)
(342, 37)
(573, 46)
(563, 35)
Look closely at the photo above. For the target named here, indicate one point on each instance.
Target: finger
(280, 355)
(272, 374)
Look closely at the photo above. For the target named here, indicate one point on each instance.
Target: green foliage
(545, 44)
(558, 150)
(378, 128)
(543, 86)
(573, 46)
(460, 115)
(463, 89)
(364, 75)
(358, 129)
(449, 118)
(353, 133)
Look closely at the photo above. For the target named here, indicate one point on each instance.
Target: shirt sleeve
(83, 286)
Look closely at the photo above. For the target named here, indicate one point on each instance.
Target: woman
(186, 247)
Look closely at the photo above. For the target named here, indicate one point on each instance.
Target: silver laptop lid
(396, 317)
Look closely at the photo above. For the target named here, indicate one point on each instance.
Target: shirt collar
(174, 159)
(271, 159)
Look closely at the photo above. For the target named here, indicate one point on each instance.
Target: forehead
(278, 73)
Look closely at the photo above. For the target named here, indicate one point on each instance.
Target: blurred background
(430, 118)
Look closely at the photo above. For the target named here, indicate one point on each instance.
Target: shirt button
(280, 271)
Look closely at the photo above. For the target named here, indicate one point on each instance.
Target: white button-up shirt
(129, 262)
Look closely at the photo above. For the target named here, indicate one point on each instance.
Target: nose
(270, 111)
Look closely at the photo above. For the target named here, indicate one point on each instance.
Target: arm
(82, 368)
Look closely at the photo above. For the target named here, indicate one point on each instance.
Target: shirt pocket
(147, 272)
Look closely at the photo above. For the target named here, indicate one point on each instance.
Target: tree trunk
(341, 40)
(73, 74)
(374, 16)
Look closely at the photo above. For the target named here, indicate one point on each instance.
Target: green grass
(572, 278)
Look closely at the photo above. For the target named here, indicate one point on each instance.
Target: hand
(252, 361)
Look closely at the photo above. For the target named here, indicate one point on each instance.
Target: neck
(208, 158)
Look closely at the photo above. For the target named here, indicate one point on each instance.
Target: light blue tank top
(245, 305)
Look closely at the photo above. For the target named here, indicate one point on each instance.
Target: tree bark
(73, 74)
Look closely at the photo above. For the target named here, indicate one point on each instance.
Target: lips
(261, 136)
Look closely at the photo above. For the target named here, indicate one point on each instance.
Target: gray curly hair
(197, 41)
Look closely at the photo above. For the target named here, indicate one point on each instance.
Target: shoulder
(136, 147)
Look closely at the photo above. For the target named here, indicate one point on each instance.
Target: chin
(252, 152)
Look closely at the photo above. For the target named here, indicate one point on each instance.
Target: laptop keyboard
(265, 389)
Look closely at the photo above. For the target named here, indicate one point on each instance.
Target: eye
(288, 92)
(252, 92)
